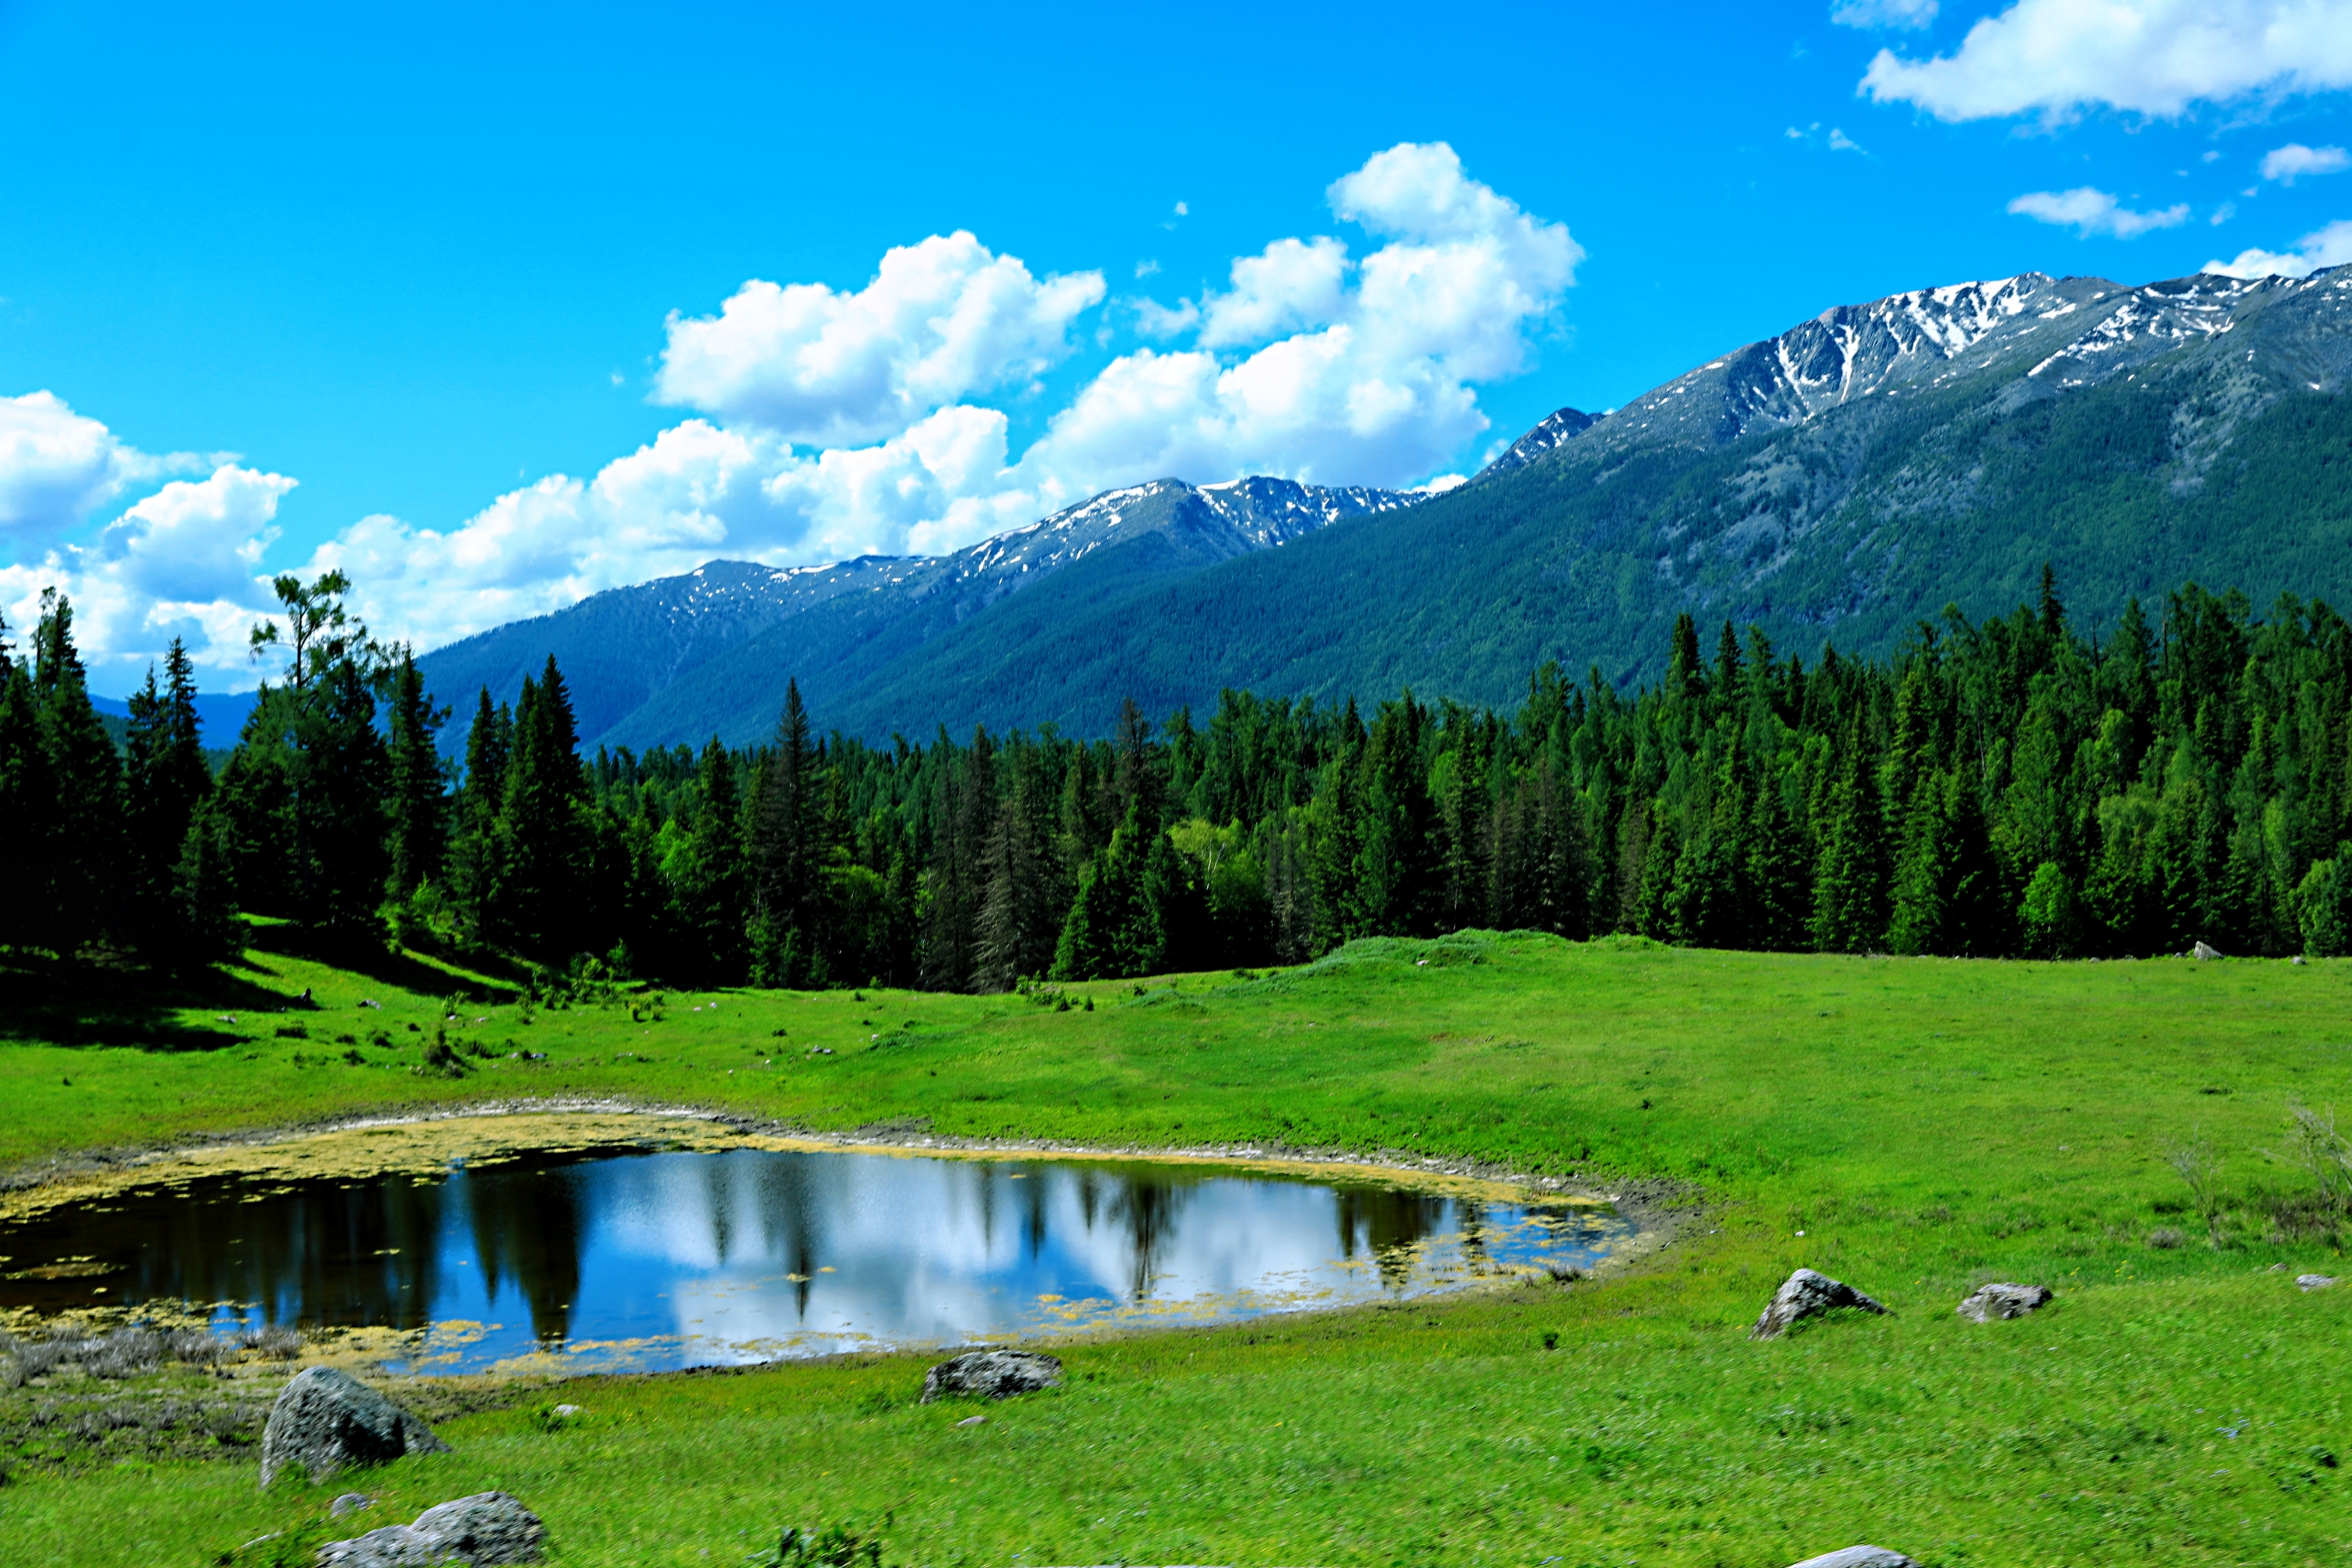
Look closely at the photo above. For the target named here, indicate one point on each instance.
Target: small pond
(647, 1259)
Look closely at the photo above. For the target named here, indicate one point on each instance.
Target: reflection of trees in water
(528, 1226)
(1150, 1208)
(791, 1211)
(362, 1255)
(1147, 1205)
(1034, 1194)
(1389, 1224)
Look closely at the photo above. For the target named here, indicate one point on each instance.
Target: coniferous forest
(2009, 788)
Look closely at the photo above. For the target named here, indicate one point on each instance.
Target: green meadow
(1915, 1127)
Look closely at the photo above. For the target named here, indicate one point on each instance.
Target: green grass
(1927, 1125)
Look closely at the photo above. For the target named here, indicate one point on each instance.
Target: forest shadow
(367, 955)
(105, 1002)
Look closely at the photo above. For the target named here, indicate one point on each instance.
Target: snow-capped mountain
(1845, 479)
(2074, 331)
(621, 647)
(1555, 427)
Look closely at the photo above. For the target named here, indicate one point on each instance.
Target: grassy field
(1914, 1126)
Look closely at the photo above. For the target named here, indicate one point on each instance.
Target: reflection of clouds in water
(929, 1251)
(676, 1259)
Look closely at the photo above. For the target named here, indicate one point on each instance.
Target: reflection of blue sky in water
(667, 1260)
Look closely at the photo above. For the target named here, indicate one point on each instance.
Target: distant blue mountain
(1844, 481)
(683, 658)
(219, 715)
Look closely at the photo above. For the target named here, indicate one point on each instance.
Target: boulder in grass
(2204, 952)
(2315, 1282)
(992, 1374)
(1806, 1294)
(1987, 1303)
(1858, 1557)
(488, 1530)
(325, 1419)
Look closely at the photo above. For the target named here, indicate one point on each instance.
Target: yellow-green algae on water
(428, 1145)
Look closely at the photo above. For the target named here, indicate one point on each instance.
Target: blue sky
(497, 308)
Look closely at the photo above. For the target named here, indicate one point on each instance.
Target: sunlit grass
(1926, 1124)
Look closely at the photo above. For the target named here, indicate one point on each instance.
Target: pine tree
(1017, 925)
(1849, 885)
(203, 894)
(85, 781)
(28, 799)
(165, 781)
(541, 833)
(416, 796)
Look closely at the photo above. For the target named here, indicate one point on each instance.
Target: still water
(645, 1261)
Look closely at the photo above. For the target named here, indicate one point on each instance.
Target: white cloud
(2057, 57)
(1883, 13)
(2288, 164)
(2329, 246)
(2224, 214)
(1842, 142)
(839, 424)
(57, 466)
(184, 561)
(2089, 212)
(940, 320)
(1373, 386)
(1290, 285)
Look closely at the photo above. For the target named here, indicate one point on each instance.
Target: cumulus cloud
(940, 320)
(2088, 212)
(1373, 383)
(57, 466)
(2329, 246)
(2288, 164)
(1291, 284)
(184, 561)
(829, 424)
(1883, 13)
(2057, 57)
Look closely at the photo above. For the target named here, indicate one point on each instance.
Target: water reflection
(666, 1259)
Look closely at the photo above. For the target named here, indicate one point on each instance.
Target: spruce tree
(85, 848)
(28, 800)
(417, 792)
(165, 780)
(1850, 884)
(542, 835)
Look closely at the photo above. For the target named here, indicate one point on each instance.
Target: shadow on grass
(367, 955)
(110, 1002)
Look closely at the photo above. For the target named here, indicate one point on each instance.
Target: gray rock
(2315, 1282)
(325, 1419)
(488, 1530)
(1806, 1294)
(2204, 950)
(993, 1375)
(1858, 1557)
(1990, 1302)
(349, 1503)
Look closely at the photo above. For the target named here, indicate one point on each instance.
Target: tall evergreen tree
(542, 837)
(28, 801)
(418, 790)
(86, 784)
(1850, 886)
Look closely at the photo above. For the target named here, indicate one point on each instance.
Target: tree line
(2009, 788)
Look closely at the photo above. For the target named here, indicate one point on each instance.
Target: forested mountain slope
(1842, 481)
(709, 652)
